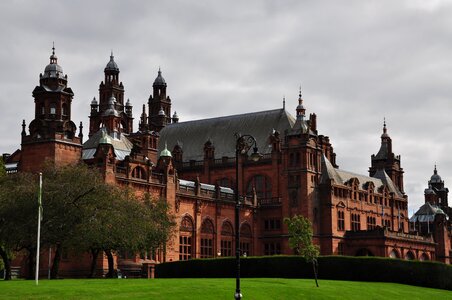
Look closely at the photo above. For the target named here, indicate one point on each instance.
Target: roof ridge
(232, 116)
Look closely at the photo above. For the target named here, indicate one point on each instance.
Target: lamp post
(243, 145)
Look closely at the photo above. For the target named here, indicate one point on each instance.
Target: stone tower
(52, 133)
(111, 87)
(386, 160)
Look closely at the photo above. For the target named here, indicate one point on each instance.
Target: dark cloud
(357, 62)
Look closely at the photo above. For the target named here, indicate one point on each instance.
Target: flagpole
(39, 228)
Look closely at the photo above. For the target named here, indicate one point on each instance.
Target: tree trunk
(94, 254)
(56, 262)
(112, 273)
(31, 263)
(315, 267)
(7, 263)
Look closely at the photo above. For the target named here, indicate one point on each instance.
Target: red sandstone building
(352, 214)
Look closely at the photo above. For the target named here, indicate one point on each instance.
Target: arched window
(139, 172)
(263, 186)
(227, 235)
(186, 238)
(207, 237)
(246, 238)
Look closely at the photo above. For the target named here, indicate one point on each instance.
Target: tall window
(272, 224)
(272, 248)
(245, 239)
(65, 110)
(356, 222)
(226, 239)
(371, 223)
(207, 235)
(263, 187)
(387, 223)
(186, 238)
(52, 109)
(340, 220)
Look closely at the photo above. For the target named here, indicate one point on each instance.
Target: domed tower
(111, 86)
(159, 104)
(436, 193)
(52, 132)
(386, 160)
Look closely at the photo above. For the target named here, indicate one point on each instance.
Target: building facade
(192, 166)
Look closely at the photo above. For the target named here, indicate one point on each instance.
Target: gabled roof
(192, 135)
(122, 146)
(342, 177)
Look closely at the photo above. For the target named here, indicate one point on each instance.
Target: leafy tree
(2, 168)
(81, 213)
(18, 218)
(300, 240)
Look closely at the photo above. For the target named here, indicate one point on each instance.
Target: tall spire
(300, 108)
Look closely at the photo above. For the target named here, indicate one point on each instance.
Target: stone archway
(424, 257)
(394, 254)
(410, 255)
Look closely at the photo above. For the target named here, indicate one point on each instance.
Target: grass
(252, 288)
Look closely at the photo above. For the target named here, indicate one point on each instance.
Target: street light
(243, 145)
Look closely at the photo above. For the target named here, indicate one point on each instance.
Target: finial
(384, 125)
(284, 102)
(24, 133)
(299, 94)
(160, 71)
(435, 171)
(144, 108)
(53, 48)
(80, 134)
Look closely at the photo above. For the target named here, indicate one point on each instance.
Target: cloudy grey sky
(357, 62)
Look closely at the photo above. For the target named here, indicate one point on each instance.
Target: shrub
(427, 274)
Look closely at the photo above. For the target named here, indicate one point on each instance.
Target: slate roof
(192, 135)
(426, 213)
(341, 177)
(122, 146)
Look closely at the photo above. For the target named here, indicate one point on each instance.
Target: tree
(81, 213)
(18, 218)
(2, 168)
(300, 240)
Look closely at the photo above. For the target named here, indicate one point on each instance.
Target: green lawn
(252, 288)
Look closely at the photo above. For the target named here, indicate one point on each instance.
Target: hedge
(427, 274)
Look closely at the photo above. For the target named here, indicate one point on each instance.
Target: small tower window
(65, 110)
(43, 110)
(52, 109)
